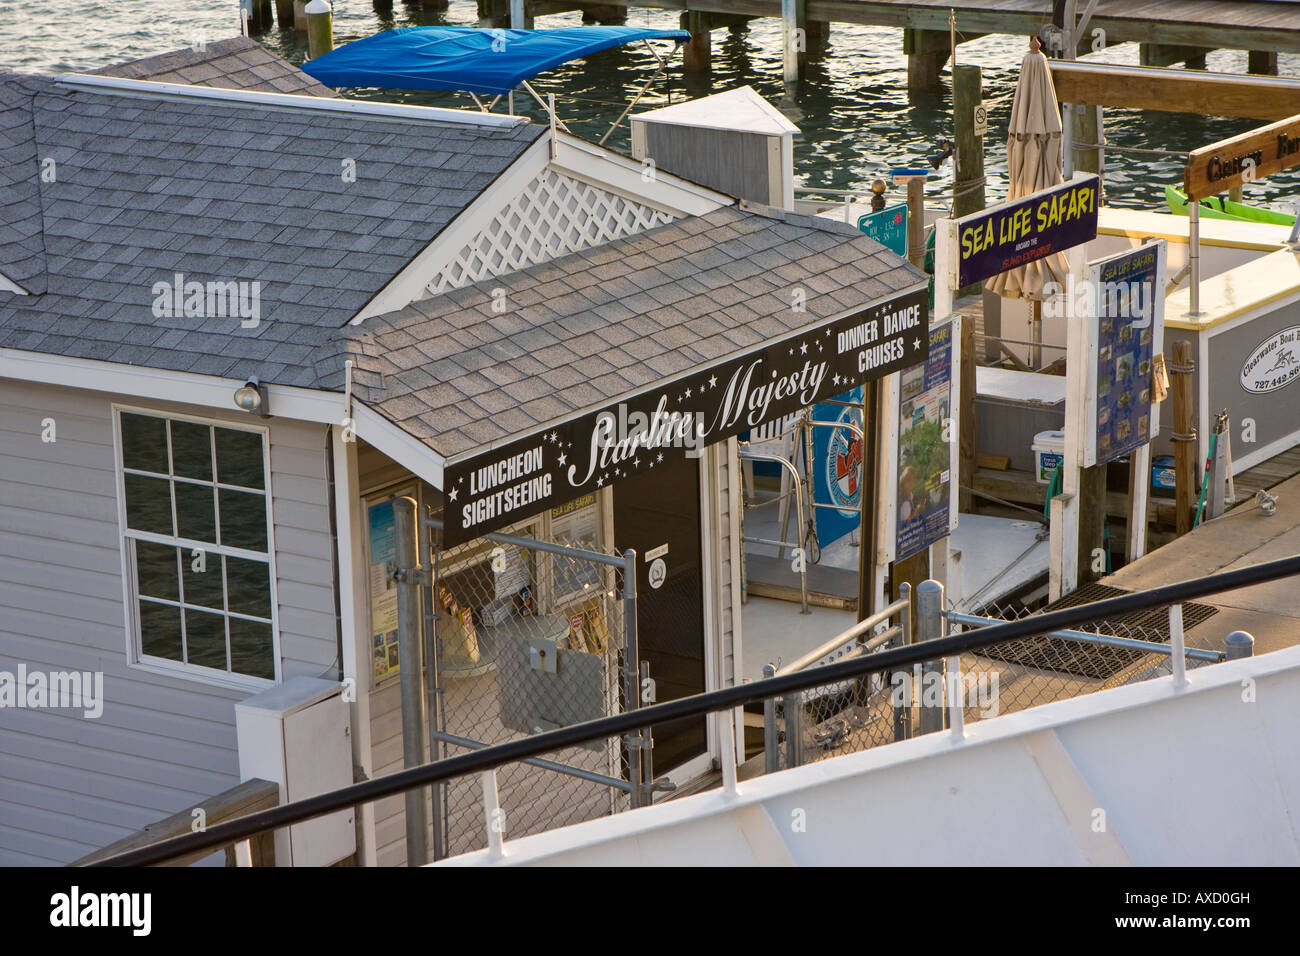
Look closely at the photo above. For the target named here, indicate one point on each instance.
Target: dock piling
(927, 51)
(284, 14)
(320, 28)
(696, 52)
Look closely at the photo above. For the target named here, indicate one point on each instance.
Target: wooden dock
(1170, 31)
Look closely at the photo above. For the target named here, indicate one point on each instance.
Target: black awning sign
(492, 489)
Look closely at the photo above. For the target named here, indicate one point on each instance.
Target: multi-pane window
(197, 543)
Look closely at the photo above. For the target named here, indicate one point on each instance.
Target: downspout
(334, 549)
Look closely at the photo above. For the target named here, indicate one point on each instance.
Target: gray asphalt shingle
(148, 186)
(583, 351)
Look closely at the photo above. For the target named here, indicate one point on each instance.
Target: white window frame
(130, 590)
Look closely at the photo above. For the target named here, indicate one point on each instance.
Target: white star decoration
(452, 494)
(713, 381)
(659, 457)
(836, 380)
(688, 393)
(599, 482)
(803, 348)
(916, 343)
(562, 458)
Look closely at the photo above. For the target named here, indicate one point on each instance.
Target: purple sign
(1040, 224)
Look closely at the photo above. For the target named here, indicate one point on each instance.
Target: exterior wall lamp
(252, 398)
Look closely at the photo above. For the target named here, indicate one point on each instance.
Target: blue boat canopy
(467, 58)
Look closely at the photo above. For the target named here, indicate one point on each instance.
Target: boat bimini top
(473, 60)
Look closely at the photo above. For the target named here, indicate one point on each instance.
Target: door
(658, 514)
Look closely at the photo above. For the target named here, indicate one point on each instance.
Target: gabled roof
(239, 63)
(148, 182)
(583, 330)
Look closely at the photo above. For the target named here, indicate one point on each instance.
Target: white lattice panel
(554, 215)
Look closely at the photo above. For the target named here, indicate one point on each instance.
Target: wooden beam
(1149, 88)
(1180, 22)
(248, 797)
(1241, 159)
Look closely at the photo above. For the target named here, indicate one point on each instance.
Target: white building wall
(70, 785)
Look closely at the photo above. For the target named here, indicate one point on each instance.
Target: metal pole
(1194, 254)
(647, 746)
(771, 760)
(411, 676)
(429, 553)
(631, 691)
(727, 744)
(792, 706)
(902, 705)
(929, 627)
(1240, 644)
(1176, 644)
(492, 815)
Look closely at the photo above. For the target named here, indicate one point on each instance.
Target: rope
(1132, 149)
(1180, 436)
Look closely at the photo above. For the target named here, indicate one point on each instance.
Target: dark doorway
(662, 507)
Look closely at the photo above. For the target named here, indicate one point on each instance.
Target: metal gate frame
(416, 573)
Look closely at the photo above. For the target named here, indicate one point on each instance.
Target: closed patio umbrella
(1033, 163)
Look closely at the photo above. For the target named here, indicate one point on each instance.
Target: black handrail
(725, 699)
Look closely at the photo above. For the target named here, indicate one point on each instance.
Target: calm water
(854, 110)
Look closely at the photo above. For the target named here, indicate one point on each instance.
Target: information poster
(1125, 326)
(924, 455)
(837, 468)
(382, 539)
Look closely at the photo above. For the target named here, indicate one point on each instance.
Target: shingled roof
(239, 63)
(591, 327)
(140, 187)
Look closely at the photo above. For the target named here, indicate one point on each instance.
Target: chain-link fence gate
(523, 636)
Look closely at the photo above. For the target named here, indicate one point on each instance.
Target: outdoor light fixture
(944, 152)
(251, 397)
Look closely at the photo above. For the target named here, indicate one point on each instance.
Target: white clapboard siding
(71, 785)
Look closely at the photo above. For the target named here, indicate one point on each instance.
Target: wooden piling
(927, 51)
(1167, 54)
(1262, 61)
(1186, 475)
(300, 15)
(696, 52)
(967, 94)
(916, 221)
(794, 40)
(966, 451)
(605, 13)
(320, 28)
(284, 14)
(1086, 124)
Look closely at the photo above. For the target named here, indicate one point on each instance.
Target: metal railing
(784, 718)
(726, 699)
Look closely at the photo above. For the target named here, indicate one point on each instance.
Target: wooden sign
(1242, 159)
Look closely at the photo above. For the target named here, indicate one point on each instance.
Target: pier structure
(1176, 31)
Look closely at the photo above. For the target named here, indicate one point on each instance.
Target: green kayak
(1215, 207)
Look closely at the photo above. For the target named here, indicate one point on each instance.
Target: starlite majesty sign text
(488, 491)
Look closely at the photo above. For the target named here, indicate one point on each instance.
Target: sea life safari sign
(678, 418)
(1242, 159)
(1029, 228)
